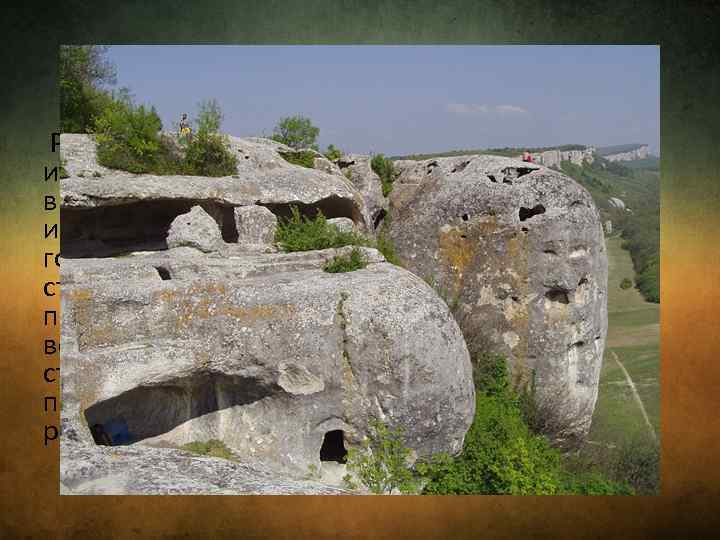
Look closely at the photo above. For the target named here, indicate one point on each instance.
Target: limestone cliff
(518, 251)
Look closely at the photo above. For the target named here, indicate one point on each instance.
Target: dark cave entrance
(149, 411)
(333, 447)
(107, 231)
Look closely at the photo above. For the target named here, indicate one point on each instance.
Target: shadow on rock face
(149, 411)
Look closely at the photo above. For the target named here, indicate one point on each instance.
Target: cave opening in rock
(460, 167)
(148, 411)
(331, 207)
(333, 447)
(527, 213)
(379, 218)
(557, 294)
(163, 272)
(107, 231)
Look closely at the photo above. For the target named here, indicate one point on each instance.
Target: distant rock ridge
(634, 153)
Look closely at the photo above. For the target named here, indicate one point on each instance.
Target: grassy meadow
(634, 337)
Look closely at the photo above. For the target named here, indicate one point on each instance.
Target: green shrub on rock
(333, 153)
(127, 136)
(207, 152)
(300, 233)
(296, 132)
(502, 455)
(346, 263)
(303, 158)
(385, 170)
(381, 464)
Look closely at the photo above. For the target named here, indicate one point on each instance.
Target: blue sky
(410, 99)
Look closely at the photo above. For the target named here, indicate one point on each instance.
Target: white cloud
(470, 109)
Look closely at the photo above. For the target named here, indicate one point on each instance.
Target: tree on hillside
(209, 116)
(83, 70)
(296, 132)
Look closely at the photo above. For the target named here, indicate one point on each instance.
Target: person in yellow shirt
(184, 126)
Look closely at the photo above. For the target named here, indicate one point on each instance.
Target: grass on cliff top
(211, 448)
(302, 158)
(129, 138)
(346, 263)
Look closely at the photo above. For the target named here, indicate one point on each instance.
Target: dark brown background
(690, 87)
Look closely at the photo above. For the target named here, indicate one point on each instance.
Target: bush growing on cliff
(296, 132)
(82, 71)
(386, 246)
(638, 463)
(383, 167)
(301, 233)
(382, 462)
(207, 152)
(333, 153)
(501, 455)
(346, 263)
(303, 159)
(128, 138)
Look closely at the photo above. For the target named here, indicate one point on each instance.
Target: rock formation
(518, 251)
(553, 158)
(256, 226)
(267, 353)
(106, 212)
(635, 152)
(140, 470)
(182, 323)
(358, 170)
(195, 229)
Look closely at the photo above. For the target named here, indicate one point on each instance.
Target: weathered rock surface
(138, 470)
(267, 353)
(366, 181)
(518, 251)
(196, 229)
(256, 226)
(343, 224)
(105, 209)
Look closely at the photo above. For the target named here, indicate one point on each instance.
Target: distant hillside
(507, 151)
(651, 163)
(618, 149)
(639, 189)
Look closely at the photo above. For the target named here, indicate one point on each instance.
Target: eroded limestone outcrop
(358, 169)
(106, 211)
(518, 251)
(141, 470)
(265, 352)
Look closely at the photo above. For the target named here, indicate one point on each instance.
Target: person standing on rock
(184, 126)
(527, 156)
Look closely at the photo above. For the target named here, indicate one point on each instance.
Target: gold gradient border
(690, 84)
